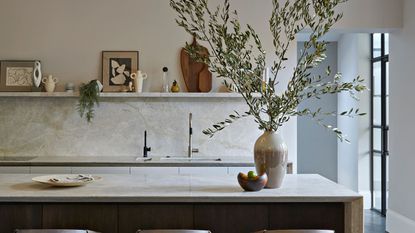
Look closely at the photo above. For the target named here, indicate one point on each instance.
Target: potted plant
(88, 98)
(237, 54)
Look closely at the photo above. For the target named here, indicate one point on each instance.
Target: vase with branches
(237, 54)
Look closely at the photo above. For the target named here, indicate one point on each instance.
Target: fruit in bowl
(251, 182)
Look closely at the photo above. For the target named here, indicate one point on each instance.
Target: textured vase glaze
(50, 83)
(37, 74)
(271, 155)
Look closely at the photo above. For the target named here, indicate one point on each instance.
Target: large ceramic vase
(271, 155)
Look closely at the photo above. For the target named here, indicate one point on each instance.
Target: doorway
(379, 121)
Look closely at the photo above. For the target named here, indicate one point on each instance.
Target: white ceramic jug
(50, 83)
(138, 78)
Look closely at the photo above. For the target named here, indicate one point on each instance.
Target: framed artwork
(16, 75)
(117, 67)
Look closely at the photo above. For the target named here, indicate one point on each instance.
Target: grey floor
(374, 222)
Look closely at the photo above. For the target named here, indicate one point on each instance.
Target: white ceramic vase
(100, 87)
(138, 78)
(37, 74)
(271, 156)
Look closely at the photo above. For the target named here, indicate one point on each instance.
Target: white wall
(371, 15)
(347, 153)
(401, 214)
(364, 121)
(68, 36)
(318, 150)
(353, 158)
(317, 146)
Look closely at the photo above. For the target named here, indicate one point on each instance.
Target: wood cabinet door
(154, 216)
(327, 216)
(231, 218)
(20, 216)
(97, 217)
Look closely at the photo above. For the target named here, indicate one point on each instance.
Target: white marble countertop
(128, 161)
(173, 189)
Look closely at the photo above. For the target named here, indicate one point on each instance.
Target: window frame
(384, 127)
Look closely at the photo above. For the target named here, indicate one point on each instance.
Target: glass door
(380, 121)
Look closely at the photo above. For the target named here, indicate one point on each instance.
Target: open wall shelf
(123, 95)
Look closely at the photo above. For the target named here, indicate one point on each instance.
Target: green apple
(251, 175)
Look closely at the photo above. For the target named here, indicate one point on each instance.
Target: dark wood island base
(217, 217)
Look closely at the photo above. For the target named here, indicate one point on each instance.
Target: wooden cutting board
(196, 75)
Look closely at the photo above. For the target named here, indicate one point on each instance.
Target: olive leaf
(237, 54)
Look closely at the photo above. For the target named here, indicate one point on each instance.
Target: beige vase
(271, 155)
(50, 83)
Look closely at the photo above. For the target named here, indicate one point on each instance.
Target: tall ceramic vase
(271, 155)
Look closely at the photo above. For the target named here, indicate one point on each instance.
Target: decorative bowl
(252, 184)
(69, 180)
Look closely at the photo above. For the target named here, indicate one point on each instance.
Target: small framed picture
(117, 67)
(16, 75)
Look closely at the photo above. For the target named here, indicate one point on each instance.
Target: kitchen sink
(187, 159)
(17, 158)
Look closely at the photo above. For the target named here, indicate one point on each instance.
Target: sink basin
(186, 159)
(17, 158)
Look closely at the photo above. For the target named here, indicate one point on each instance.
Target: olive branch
(237, 54)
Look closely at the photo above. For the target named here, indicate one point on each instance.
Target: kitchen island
(123, 204)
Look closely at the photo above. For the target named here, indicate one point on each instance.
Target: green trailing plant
(88, 99)
(237, 54)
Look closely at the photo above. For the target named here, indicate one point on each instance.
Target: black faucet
(190, 149)
(145, 149)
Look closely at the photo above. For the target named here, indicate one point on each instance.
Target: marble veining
(125, 161)
(52, 127)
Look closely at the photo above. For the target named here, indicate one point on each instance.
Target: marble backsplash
(52, 127)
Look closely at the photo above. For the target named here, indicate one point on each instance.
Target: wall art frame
(117, 67)
(16, 75)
